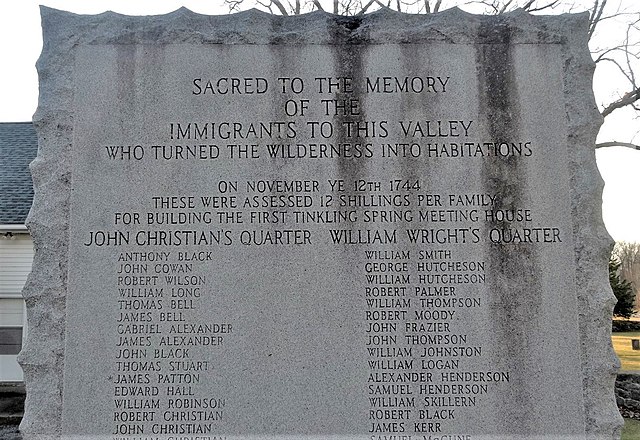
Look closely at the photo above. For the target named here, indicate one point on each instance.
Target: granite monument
(374, 227)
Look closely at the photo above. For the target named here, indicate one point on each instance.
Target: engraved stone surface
(374, 227)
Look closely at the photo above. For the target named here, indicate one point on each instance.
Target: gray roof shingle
(18, 147)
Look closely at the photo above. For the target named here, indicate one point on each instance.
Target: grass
(631, 430)
(629, 358)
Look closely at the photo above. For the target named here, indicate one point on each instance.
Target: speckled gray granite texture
(584, 378)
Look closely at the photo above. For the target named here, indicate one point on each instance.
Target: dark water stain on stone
(277, 29)
(514, 288)
(348, 54)
(348, 51)
(416, 63)
(126, 87)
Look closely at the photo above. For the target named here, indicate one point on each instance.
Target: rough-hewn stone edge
(591, 240)
(43, 355)
(256, 27)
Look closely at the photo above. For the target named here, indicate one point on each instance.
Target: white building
(18, 147)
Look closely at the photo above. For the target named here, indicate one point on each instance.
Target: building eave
(18, 229)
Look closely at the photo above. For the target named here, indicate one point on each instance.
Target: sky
(21, 43)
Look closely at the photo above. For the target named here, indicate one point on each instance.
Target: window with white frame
(16, 256)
